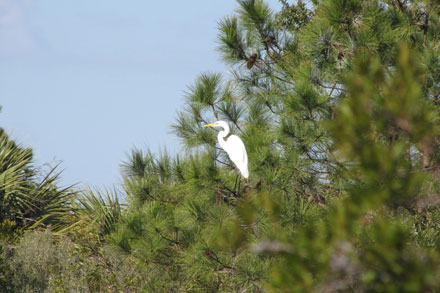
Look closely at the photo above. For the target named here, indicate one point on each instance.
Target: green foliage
(337, 117)
(43, 262)
(367, 243)
(27, 198)
(337, 105)
(293, 16)
(172, 224)
(95, 214)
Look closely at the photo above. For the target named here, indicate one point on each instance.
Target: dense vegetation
(337, 102)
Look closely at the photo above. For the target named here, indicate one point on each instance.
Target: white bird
(233, 146)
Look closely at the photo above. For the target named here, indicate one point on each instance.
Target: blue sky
(82, 82)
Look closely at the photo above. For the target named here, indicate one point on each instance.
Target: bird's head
(219, 123)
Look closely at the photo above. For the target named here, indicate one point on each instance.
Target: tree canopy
(337, 102)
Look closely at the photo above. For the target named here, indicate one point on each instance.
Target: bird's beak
(210, 125)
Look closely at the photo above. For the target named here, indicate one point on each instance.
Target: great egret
(234, 147)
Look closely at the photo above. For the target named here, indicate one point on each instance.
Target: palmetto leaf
(98, 211)
(23, 198)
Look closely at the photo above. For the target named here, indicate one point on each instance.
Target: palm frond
(98, 211)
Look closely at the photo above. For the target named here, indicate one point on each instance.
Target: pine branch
(214, 111)
(166, 238)
(272, 75)
(332, 88)
(212, 256)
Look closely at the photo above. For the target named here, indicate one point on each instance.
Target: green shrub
(44, 262)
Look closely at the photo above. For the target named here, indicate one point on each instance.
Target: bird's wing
(237, 153)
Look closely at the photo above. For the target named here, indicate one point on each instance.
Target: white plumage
(233, 146)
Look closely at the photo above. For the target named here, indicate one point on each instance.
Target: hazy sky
(82, 82)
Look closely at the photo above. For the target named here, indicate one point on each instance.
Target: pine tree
(336, 102)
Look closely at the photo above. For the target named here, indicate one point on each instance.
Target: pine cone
(251, 61)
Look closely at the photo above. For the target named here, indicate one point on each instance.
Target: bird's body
(233, 146)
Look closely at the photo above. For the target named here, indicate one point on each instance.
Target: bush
(44, 262)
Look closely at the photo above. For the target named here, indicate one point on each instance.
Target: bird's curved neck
(221, 137)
